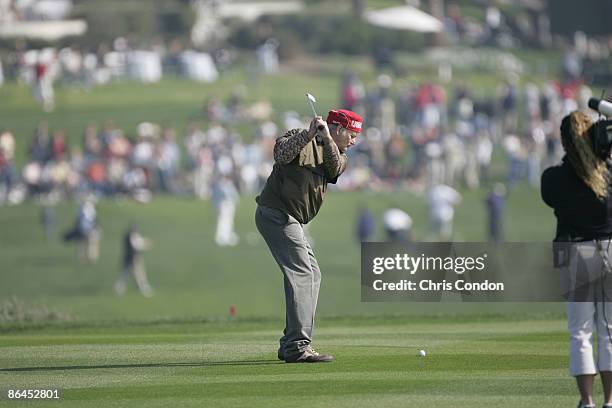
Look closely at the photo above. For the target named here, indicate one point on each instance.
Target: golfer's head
(345, 125)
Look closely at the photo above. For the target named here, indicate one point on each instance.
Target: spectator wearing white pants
(579, 192)
(134, 245)
(585, 318)
(587, 290)
(442, 200)
(590, 314)
(225, 199)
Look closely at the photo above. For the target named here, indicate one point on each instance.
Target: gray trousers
(302, 277)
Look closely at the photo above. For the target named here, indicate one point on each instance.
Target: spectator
(442, 200)
(168, 158)
(352, 93)
(58, 145)
(40, 150)
(397, 225)
(86, 232)
(267, 56)
(366, 225)
(194, 141)
(43, 84)
(133, 247)
(48, 219)
(225, 199)
(7, 166)
(495, 203)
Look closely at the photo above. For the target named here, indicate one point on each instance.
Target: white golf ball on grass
(422, 353)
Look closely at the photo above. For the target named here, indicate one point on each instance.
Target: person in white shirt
(442, 200)
(397, 225)
(225, 198)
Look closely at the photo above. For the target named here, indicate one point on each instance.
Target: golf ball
(422, 353)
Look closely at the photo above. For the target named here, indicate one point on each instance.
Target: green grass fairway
(194, 278)
(470, 363)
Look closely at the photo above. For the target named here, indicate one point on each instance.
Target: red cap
(345, 118)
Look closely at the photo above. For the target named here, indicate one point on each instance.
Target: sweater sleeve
(334, 162)
(289, 145)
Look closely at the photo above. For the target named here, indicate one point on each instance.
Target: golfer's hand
(312, 131)
(319, 126)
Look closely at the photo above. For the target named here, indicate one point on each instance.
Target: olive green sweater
(303, 167)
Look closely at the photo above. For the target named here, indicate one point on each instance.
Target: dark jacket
(581, 216)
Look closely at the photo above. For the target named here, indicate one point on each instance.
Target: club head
(311, 102)
(310, 97)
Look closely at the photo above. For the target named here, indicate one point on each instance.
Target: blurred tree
(140, 20)
(325, 34)
(436, 9)
(590, 16)
(358, 8)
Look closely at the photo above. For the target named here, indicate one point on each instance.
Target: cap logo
(346, 119)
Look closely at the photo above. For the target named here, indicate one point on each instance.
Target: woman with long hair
(579, 192)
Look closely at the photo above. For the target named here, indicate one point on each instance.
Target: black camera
(601, 137)
(601, 131)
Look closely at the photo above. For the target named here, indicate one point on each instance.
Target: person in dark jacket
(133, 247)
(366, 225)
(579, 192)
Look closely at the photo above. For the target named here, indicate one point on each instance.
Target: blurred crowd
(74, 65)
(415, 136)
(109, 163)
(422, 135)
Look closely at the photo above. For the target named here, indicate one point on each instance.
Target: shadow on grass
(148, 365)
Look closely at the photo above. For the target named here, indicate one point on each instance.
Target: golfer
(579, 192)
(305, 161)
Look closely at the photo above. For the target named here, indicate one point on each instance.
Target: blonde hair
(575, 131)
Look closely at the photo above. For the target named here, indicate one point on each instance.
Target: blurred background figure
(366, 225)
(225, 199)
(133, 247)
(48, 219)
(168, 160)
(442, 200)
(267, 56)
(397, 225)
(43, 85)
(86, 233)
(352, 92)
(495, 212)
(7, 165)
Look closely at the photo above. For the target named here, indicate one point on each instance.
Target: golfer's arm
(334, 162)
(287, 147)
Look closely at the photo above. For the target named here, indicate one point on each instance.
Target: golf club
(311, 102)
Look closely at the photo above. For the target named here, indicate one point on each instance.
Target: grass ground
(181, 347)
(470, 362)
(193, 277)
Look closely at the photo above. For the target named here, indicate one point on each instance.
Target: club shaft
(314, 112)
